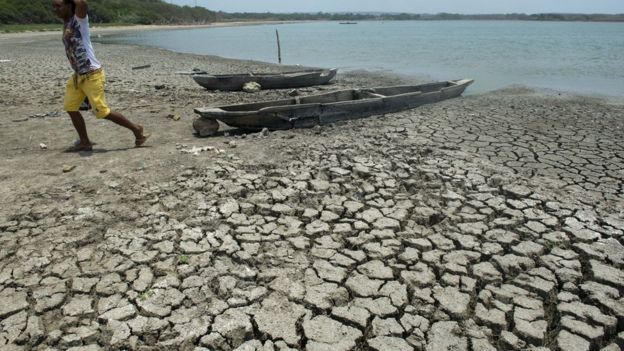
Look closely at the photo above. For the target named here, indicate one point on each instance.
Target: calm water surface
(569, 56)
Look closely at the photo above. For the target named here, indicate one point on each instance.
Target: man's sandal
(138, 142)
(79, 148)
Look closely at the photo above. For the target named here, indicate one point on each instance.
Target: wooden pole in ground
(279, 49)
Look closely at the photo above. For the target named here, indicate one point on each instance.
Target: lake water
(583, 57)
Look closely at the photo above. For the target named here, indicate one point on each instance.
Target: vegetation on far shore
(106, 11)
(35, 15)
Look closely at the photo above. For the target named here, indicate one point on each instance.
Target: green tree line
(107, 11)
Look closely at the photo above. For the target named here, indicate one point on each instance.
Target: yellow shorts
(90, 85)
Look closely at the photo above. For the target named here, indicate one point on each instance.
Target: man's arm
(81, 8)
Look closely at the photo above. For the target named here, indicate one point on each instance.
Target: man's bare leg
(81, 128)
(137, 129)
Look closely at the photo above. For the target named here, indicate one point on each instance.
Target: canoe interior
(297, 79)
(342, 95)
(253, 74)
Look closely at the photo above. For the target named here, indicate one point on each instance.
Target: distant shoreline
(364, 16)
(106, 28)
(98, 29)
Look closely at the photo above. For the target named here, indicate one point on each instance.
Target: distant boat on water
(348, 22)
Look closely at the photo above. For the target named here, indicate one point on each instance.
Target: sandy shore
(488, 222)
(108, 30)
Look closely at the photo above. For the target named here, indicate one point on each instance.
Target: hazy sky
(414, 6)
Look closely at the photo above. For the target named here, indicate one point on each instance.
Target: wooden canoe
(302, 112)
(298, 79)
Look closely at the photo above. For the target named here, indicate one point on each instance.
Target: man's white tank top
(77, 40)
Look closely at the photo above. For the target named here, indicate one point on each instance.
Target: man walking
(88, 79)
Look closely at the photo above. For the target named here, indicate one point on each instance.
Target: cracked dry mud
(490, 222)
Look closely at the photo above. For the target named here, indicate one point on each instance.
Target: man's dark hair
(73, 4)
